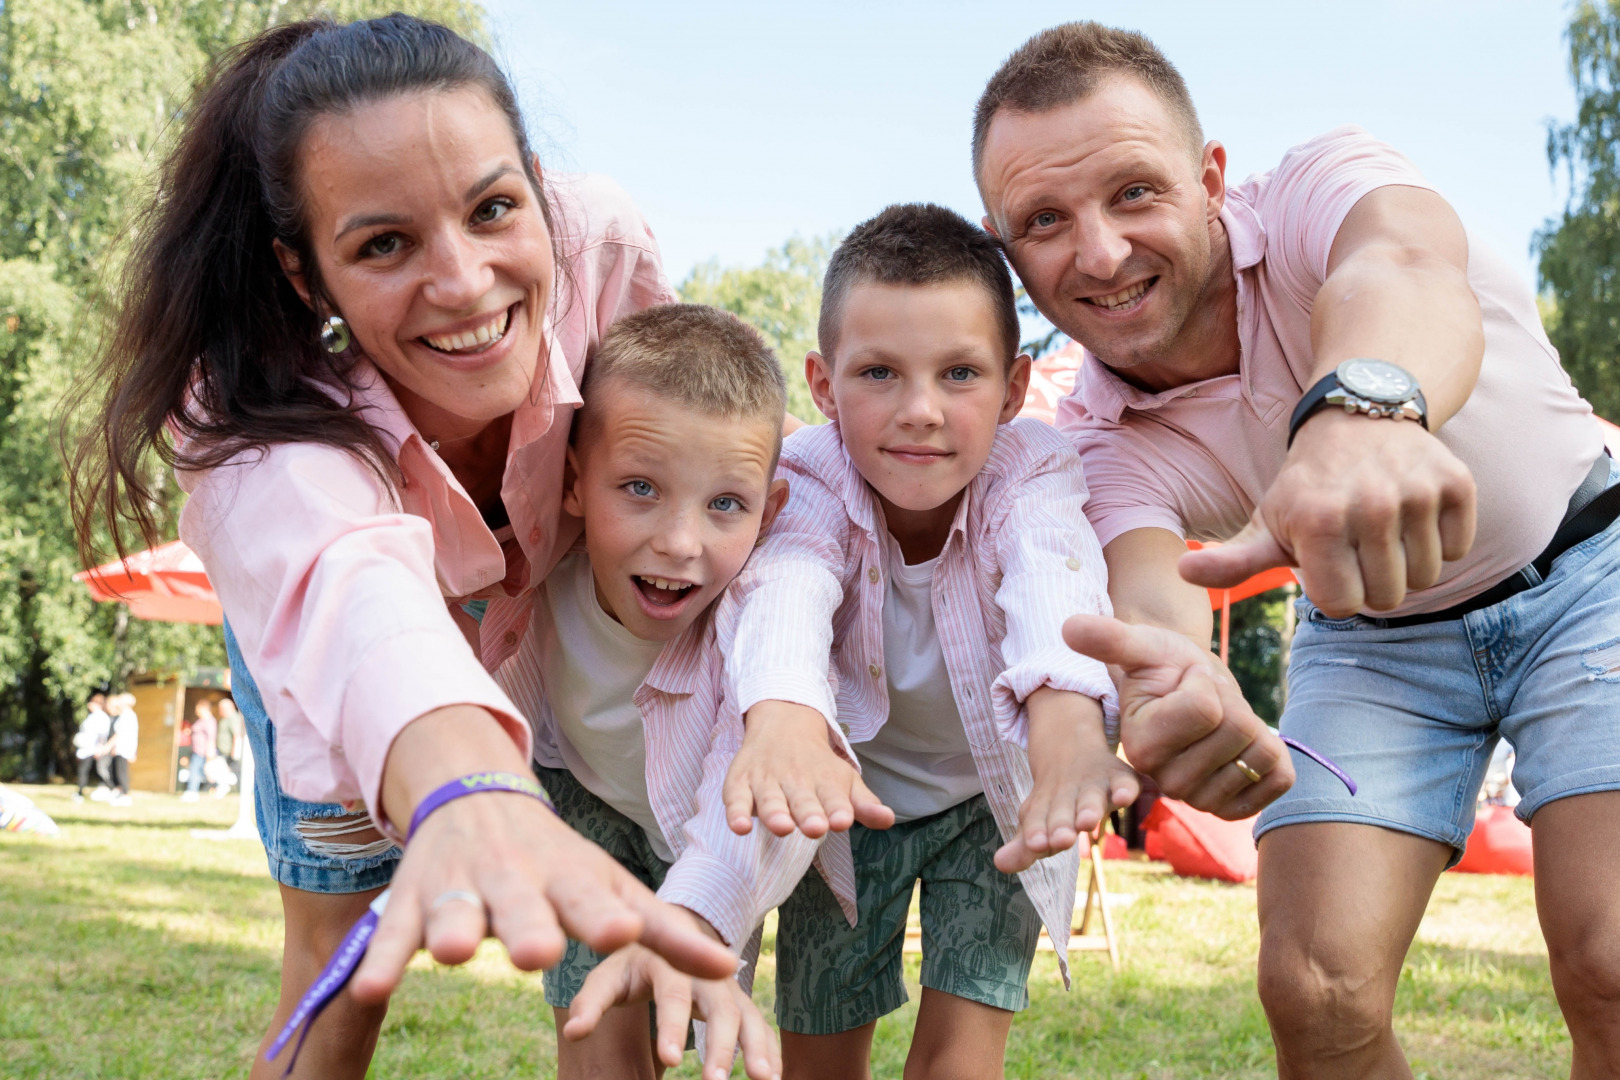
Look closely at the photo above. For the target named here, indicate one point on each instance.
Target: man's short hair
(1060, 66)
(918, 244)
(696, 356)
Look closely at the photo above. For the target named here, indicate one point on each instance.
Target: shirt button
(874, 669)
(510, 637)
(1072, 563)
(872, 575)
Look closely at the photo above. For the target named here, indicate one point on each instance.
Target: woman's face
(432, 246)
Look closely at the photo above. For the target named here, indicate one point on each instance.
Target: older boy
(672, 460)
(933, 549)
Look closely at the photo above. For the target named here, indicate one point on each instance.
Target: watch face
(1377, 380)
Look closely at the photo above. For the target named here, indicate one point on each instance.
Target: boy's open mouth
(471, 342)
(1127, 299)
(661, 592)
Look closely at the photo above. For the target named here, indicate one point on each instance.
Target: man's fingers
(1113, 642)
(869, 809)
(670, 933)
(1375, 532)
(398, 936)
(1457, 514)
(1248, 553)
(1162, 727)
(1331, 574)
(1420, 540)
(672, 998)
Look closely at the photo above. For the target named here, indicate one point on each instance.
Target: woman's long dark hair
(211, 349)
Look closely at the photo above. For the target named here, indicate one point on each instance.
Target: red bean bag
(1499, 844)
(1114, 847)
(1196, 844)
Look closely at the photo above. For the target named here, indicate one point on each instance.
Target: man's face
(918, 386)
(672, 500)
(1107, 216)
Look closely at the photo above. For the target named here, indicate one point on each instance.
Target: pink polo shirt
(1197, 459)
(340, 592)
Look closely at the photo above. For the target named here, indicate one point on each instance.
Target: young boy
(671, 463)
(933, 549)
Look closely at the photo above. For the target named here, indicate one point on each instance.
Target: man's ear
(989, 226)
(1017, 387)
(288, 258)
(775, 498)
(818, 373)
(1212, 175)
(572, 503)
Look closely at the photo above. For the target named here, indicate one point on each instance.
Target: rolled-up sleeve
(1051, 568)
(331, 593)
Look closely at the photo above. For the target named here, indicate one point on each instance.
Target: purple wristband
(472, 784)
(1322, 760)
(332, 979)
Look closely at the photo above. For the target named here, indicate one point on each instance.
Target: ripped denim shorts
(310, 846)
(1414, 712)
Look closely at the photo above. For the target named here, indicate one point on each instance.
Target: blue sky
(736, 125)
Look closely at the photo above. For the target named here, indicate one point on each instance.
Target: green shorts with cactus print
(979, 928)
(614, 833)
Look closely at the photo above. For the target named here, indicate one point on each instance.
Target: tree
(1580, 252)
(89, 93)
(781, 298)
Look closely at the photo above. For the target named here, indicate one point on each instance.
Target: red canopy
(164, 584)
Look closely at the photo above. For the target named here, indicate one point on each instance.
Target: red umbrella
(164, 584)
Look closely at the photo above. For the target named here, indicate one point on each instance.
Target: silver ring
(453, 895)
(1247, 770)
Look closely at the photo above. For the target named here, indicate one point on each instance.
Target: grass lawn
(129, 949)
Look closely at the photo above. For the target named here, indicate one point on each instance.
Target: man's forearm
(1146, 588)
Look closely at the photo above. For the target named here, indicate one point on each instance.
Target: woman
(362, 318)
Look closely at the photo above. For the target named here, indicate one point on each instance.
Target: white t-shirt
(592, 667)
(126, 732)
(919, 763)
(93, 731)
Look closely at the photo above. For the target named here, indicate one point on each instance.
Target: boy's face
(918, 388)
(673, 501)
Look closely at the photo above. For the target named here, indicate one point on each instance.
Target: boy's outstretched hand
(1183, 720)
(635, 974)
(1078, 780)
(789, 776)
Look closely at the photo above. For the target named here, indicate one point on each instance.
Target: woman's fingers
(398, 936)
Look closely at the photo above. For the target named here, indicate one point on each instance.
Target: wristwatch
(1370, 387)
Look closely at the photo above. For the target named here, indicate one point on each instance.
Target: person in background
(126, 738)
(231, 738)
(204, 747)
(93, 732)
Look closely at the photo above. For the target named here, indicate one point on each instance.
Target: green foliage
(90, 91)
(1258, 655)
(1580, 252)
(781, 298)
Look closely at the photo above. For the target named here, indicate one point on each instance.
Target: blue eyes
(726, 504)
(1139, 189)
(1045, 219)
(878, 374)
(639, 487)
(959, 374)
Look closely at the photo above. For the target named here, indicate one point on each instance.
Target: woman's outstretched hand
(1183, 720)
(501, 864)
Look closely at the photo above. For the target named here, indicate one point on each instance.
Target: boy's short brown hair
(699, 357)
(1060, 66)
(918, 244)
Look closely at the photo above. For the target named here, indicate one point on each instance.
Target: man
(1319, 368)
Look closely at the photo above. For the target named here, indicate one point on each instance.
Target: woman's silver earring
(335, 335)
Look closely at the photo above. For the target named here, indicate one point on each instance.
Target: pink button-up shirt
(336, 587)
(732, 881)
(804, 620)
(1196, 459)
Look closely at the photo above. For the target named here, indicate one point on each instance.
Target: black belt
(1593, 508)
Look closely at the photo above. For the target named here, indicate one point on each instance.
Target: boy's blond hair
(696, 356)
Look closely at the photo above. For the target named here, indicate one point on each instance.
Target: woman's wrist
(438, 747)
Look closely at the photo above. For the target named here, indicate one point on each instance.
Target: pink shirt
(1197, 459)
(732, 881)
(337, 588)
(804, 620)
(204, 731)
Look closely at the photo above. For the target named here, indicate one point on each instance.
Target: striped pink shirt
(336, 587)
(804, 620)
(732, 881)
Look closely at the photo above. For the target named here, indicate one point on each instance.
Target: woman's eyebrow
(492, 176)
(366, 221)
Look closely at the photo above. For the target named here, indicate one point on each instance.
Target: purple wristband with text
(473, 784)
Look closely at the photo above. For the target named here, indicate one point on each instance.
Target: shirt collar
(684, 664)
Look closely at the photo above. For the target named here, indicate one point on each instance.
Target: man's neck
(1208, 344)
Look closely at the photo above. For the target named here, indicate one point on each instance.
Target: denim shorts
(1413, 713)
(288, 826)
(979, 929)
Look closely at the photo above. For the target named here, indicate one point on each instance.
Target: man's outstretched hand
(1183, 720)
(1367, 509)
